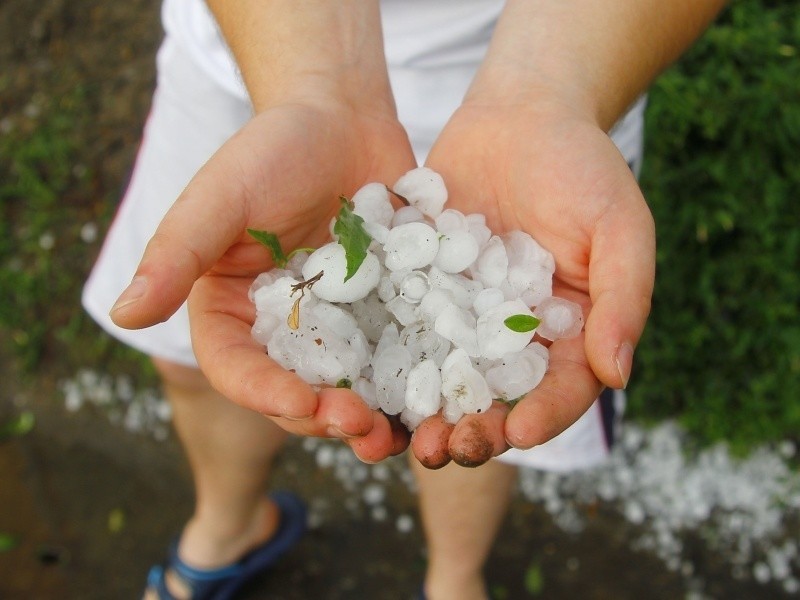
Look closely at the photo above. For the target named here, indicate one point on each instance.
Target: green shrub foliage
(722, 176)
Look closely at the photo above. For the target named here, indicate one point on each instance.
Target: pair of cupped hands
(549, 171)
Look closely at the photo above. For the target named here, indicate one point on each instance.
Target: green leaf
(522, 323)
(19, 425)
(270, 240)
(344, 383)
(7, 542)
(352, 236)
(534, 579)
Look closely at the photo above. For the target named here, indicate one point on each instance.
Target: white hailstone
(433, 303)
(424, 343)
(451, 411)
(411, 419)
(330, 260)
(411, 246)
(458, 326)
(377, 232)
(279, 297)
(414, 286)
(491, 266)
(463, 290)
(403, 311)
(314, 352)
(530, 268)
(451, 220)
(560, 318)
(423, 388)
(265, 279)
(89, 232)
(476, 224)
(461, 383)
(391, 368)
(487, 298)
(407, 214)
(371, 315)
(424, 188)
(264, 326)
(359, 343)
(457, 251)
(495, 338)
(389, 337)
(372, 204)
(337, 319)
(516, 374)
(386, 289)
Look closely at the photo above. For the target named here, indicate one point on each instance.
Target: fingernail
(131, 294)
(624, 360)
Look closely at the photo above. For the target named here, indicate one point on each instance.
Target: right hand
(283, 172)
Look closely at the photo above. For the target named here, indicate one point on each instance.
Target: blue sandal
(223, 583)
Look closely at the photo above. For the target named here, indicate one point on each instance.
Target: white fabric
(433, 48)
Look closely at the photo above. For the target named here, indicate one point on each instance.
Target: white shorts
(192, 115)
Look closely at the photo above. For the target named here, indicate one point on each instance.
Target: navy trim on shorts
(608, 412)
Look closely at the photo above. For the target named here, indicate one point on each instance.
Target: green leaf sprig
(273, 244)
(522, 323)
(349, 227)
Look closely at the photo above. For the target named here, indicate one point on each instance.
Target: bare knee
(177, 375)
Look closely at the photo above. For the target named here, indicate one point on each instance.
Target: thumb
(200, 226)
(621, 276)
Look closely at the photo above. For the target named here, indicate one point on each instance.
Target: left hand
(555, 174)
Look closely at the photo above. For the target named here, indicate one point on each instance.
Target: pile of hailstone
(440, 313)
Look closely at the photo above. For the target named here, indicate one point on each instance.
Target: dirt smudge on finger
(474, 448)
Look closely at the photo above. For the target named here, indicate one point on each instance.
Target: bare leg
(462, 510)
(230, 452)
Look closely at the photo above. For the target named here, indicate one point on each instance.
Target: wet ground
(91, 506)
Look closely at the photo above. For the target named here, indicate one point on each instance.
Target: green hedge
(722, 176)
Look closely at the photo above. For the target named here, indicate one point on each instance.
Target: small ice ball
(457, 251)
(407, 214)
(516, 374)
(424, 343)
(451, 220)
(495, 338)
(391, 372)
(266, 279)
(331, 261)
(433, 303)
(530, 284)
(279, 297)
(377, 232)
(337, 319)
(461, 383)
(477, 227)
(458, 326)
(295, 263)
(560, 318)
(451, 411)
(371, 316)
(411, 419)
(411, 246)
(423, 188)
(491, 266)
(386, 289)
(423, 388)
(372, 204)
(390, 336)
(464, 290)
(523, 250)
(403, 311)
(486, 299)
(414, 286)
(366, 389)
